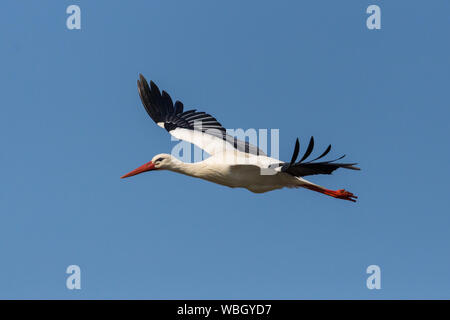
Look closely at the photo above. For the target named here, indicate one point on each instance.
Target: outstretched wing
(301, 169)
(196, 127)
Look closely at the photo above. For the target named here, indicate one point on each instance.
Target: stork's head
(160, 161)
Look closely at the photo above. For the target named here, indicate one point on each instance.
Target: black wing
(162, 110)
(301, 169)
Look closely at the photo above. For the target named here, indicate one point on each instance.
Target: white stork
(232, 162)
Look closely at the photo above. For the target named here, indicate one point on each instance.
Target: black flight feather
(322, 155)
(301, 169)
(296, 151)
(309, 149)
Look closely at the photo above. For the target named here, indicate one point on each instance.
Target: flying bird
(232, 162)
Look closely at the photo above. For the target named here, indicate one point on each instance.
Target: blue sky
(72, 123)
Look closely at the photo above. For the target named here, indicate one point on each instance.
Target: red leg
(340, 194)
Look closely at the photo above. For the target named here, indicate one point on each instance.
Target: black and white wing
(198, 128)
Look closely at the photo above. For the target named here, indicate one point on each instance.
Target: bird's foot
(339, 194)
(342, 194)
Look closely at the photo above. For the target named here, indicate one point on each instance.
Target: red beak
(146, 167)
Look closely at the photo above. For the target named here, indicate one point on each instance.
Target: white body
(238, 170)
(228, 166)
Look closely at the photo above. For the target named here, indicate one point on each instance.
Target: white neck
(190, 169)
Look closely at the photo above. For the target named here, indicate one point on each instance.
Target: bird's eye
(159, 159)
